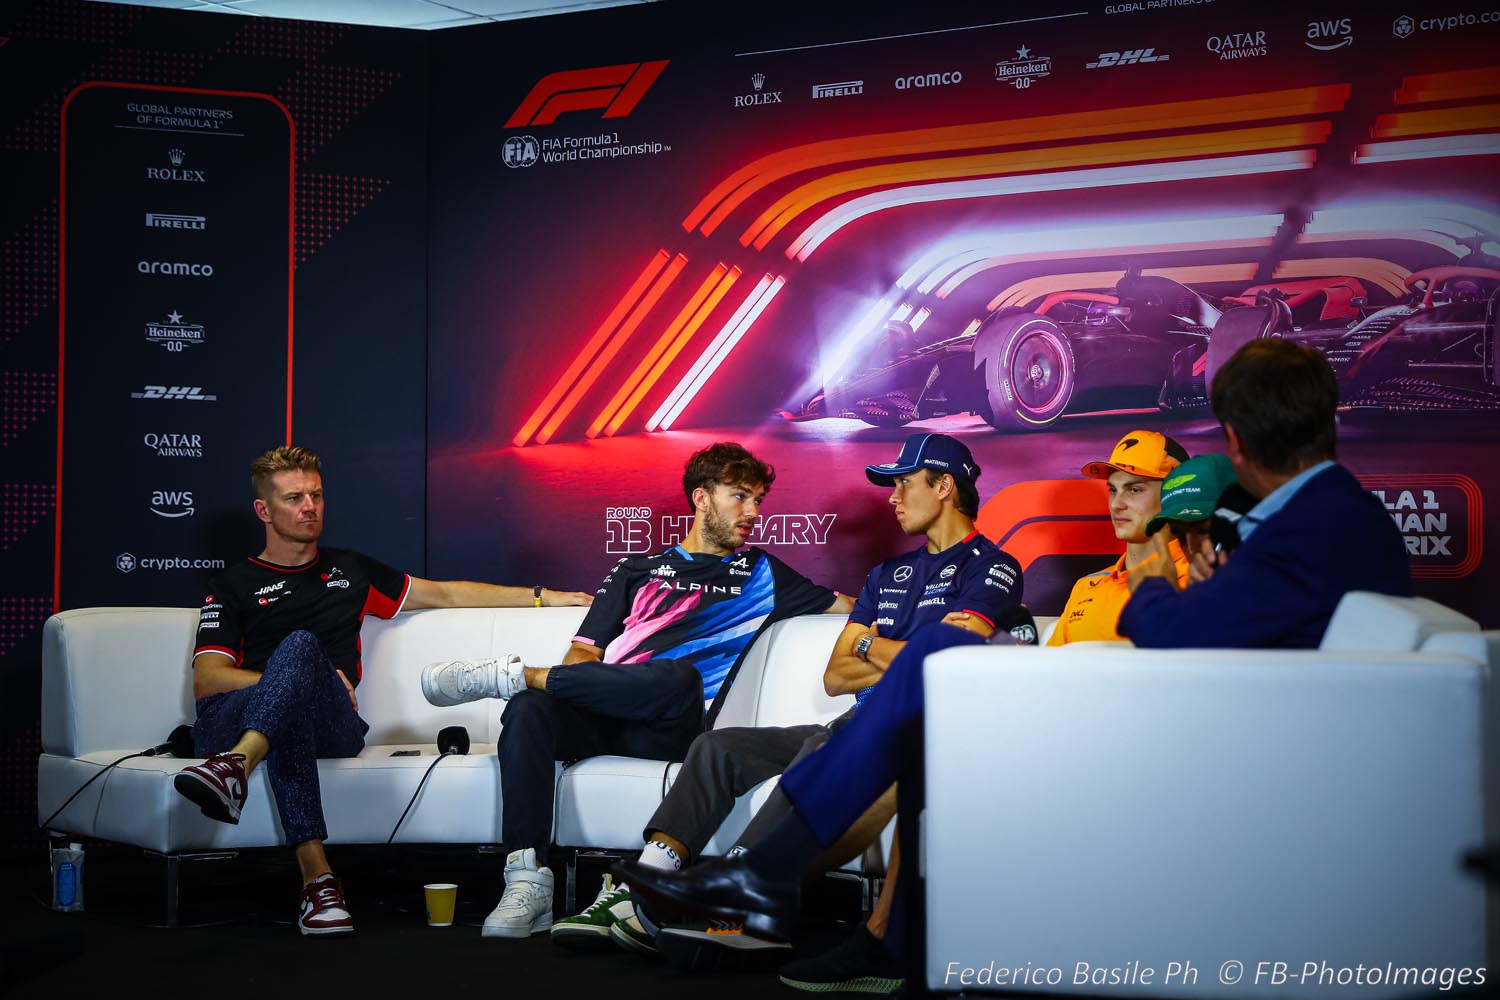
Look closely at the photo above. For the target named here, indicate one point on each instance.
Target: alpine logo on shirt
(695, 606)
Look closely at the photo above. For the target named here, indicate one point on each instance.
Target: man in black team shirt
(277, 662)
(666, 632)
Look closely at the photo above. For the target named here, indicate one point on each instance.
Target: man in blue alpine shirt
(1314, 535)
(665, 633)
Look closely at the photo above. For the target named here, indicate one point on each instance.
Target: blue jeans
(302, 709)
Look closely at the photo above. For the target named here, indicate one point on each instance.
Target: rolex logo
(758, 81)
(176, 156)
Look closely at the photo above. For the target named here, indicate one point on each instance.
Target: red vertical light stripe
(602, 361)
(653, 268)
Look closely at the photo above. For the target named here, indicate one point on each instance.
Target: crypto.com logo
(616, 89)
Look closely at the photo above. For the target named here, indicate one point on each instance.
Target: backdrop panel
(814, 232)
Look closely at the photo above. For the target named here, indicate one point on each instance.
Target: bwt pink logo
(628, 530)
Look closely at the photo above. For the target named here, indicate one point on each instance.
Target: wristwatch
(862, 647)
(536, 596)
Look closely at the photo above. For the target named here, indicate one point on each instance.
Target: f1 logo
(616, 89)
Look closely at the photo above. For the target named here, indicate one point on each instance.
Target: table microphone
(179, 744)
(453, 739)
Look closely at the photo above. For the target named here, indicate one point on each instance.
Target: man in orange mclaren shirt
(1134, 471)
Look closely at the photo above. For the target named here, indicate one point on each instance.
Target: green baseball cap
(1191, 491)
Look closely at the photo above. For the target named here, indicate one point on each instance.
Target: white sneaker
(453, 682)
(526, 904)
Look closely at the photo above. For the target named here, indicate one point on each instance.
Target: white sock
(659, 855)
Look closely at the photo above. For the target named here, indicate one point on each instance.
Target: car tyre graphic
(1028, 370)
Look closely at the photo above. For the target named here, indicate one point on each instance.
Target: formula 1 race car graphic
(1022, 369)
(1151, 341)
(1434, 349)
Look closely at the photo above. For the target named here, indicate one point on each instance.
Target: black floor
(237, 936)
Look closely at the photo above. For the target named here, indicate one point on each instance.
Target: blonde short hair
(287, 458)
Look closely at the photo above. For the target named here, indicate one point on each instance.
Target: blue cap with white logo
(938, 452)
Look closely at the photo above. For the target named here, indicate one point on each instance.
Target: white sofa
(116, 680)
(1137, 808)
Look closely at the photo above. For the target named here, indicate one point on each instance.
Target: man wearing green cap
(1201, 503)
(1313, 535)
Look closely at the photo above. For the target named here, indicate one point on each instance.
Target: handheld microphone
(1015, 625)
(453, 739)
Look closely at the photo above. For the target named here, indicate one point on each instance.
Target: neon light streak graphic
(656, 350)
(602, 361)
(739, 186)
(1227, 166)
(1454, 86)
(1170, 149)
(744, 317)
(675, 349)
(1164, 235)
(1413, 123)
(1484, 144)
(652, 269)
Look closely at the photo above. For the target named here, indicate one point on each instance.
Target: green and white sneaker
(631, 936)
(590, 930)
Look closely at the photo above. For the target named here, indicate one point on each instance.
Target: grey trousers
(722, 765)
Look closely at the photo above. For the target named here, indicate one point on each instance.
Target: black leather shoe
(718, 889)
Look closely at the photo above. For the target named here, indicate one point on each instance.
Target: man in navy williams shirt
(1315, 535)
(957, 576)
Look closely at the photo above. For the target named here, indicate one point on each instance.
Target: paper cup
(440, 899)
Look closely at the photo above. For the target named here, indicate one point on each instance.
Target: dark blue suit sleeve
(1264, 596)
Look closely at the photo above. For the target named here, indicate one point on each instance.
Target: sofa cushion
(395, 651)
(1366, 621)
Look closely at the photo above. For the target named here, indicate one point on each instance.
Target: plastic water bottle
(67, 878)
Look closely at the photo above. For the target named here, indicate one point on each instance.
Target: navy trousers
(652, 710)
(302, 709)
(881, 744)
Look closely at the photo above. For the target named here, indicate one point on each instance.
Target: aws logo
(616, 89)
(1325, 36)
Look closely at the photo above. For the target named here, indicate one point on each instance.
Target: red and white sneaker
(321, 908)
(218, 786)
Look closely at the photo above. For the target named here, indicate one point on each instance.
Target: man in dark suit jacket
(1314, 535)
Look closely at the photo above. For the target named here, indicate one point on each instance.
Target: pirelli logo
(615, 89)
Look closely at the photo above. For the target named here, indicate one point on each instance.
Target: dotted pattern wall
(22, 507)
(65, 43)
(29, 397)
(39, 133)
(18, 771)
(271, 39)
(28, 273)
(22, 617)
(323, 100)
(326, 203)
(77, 22)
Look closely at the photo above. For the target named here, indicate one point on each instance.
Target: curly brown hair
(728, 464)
